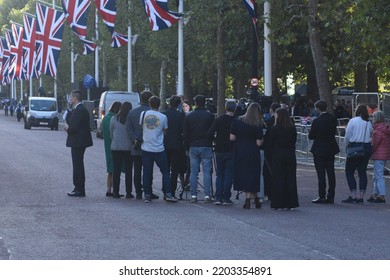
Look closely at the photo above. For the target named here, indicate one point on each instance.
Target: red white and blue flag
(160, 17)
(16, 52)
(3, 46)
(76, 12)
(250, 5)
(30, 26)
(6, 57)
(50, 27)
(107, 11)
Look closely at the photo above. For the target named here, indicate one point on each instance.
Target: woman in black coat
(282, 138)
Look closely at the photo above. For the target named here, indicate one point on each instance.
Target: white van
(41, 111)
(109, 97)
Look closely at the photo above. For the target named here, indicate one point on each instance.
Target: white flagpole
(21, 90)
(267, 50)
(31, 86)
(71, 61)
(180, 67)
(129, 60)
(97, 49)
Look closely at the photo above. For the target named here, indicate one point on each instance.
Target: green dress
(107, 141)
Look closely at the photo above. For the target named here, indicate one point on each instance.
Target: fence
(303, 144)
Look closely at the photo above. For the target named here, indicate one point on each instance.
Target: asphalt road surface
(38, 221)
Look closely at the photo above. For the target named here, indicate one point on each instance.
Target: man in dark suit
(323, 131)
(79, 138)
(173, 141)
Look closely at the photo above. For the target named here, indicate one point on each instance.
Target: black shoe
(359, 200)
(108, 193)
(319, 200)
(379, 200)
(349, 200)
(371, 199)
(76, 194)
(153, 196)
(129, 195)
(329, 201)
(138, 196)
(116, 195)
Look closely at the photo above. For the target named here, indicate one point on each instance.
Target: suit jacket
(173, 139)
(323, 131)
(79, 132)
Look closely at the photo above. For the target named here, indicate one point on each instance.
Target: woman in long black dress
(282, 138)
(247, 134)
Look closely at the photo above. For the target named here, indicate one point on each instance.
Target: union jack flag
(250, 5)
(30, 26)
(16, 52)
(76, 15)
(5, 78)
(159, 15)
(1, 56)
(50, 27)
(107, 10)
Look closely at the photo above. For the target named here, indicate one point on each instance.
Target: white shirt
(355, 131)
(153, 131)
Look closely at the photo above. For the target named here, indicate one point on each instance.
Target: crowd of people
(253, 155)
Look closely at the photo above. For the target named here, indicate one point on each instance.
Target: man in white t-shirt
(154, 124)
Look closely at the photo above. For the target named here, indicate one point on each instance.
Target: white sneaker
(207, 199)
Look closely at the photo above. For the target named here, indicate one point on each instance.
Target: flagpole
(267, 50)
(31, 86)
(180, 67)
(55, 77)
(71, 61)
(97, 49)
(21, 90)
(129, 60)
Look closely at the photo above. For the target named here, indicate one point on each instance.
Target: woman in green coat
(107, 143)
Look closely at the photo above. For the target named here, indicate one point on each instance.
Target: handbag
(357, 151)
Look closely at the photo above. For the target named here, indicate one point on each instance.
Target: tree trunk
(221, 70)
(372, 78)
(318, 55)
(360, 78)
(163, 96)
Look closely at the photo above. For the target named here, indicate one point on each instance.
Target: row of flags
(32, 49)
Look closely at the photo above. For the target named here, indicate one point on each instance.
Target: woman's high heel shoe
(257, 203)
(247, 203)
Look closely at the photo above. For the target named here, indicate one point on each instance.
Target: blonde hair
(253, 115)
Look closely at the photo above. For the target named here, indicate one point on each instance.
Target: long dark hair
(115, 107)
(123, 112)
(283, 118)
(361, 111)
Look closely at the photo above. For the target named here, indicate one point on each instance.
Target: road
(38, 221)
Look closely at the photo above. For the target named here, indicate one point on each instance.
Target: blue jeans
(161, 160)
(379, 179)
(202, 155)
(224, 176)
(359, 164)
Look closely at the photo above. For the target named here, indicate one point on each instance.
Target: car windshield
(43, 105)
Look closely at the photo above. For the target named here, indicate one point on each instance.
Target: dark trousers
(175, 164)
(224, 179)
(136, 165)
(160, 158)
(78, 168)
(325, 164)
(121, 159)
(359, 164)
